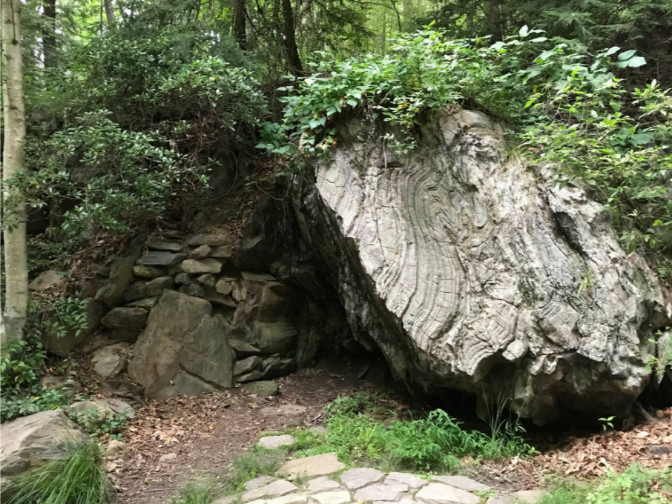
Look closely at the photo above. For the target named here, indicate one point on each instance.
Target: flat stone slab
(463, 482)
(285, 409)
(411, 480)
(258, 482)
(293, 498)
(359, 477)
(381, 492)
(335, 497)
(320, 484)
(440, 493)
(317, 465)
(275, 442)
(402, 501)
(275, 489)
(528, 496)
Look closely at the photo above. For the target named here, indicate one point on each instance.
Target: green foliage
(20, 390)
(433, 443)
(607, 422)
(249, 466)
(636, 485)
(99, 423)
(66, 315)
(79, 478)
(200, 492)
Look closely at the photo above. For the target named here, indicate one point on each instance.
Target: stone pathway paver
(315, 481)
(275, 442)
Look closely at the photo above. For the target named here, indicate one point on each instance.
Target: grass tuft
(78, 478)
(198, 492)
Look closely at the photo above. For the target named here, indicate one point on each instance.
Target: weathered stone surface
(148, 271)
(46, 280)
(182, 279)
(275, 442)
(276, 302)
(359, 477)
(121, 275)
(380, 491)
(275, 489)
(193, 289)
(243, 348)
(156, 286)
(275, 337)
(262, 388)
(317, 465)
(283, 409)
(125, 323)
(159, 258)
(200, 252)
(407, 479)
(333, 497)
(64, 345)
(439, 493)
(198, 266)
(135, 291)
(225, 285)
(471, 272)
(250, 377)
(167, 246)
(207, 279)
(293, 498)
(146, 303)
(35, 439)
(320, 484)
(253, 282)
(111, 360)
(463, 482)
(224, 252)
(213, 240)
(246, 365)
(258, 482)
(183, 350)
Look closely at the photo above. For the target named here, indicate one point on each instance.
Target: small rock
(159, 258)
(182, 279)
(380, 492)
(192, 289)
(274, 367)
(242, 347)
(239, 292)
(147, 271)
(317, 465)
(293, 498)
(198, 266)
(275, 442)
(163, 245)
(359, 477)
(463, 482)
(168, 457)
(320, 484)
(207, 279)
(111, 360)
(155, 287)
(224, 252)
(214, 240)
(284, 409)
(335, 497)
(275, 489)
(135, 291)
(114, 447)
(126, 323)
(46, 280)
(407, 479)
(200, 252)
(252, 376)
(147, 303)
(258, 482)
(262, 388)
(225, 285)
(246, 365)
(253, 282)
(440, 493)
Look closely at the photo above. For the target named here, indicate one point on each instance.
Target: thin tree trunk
(289, 40)
(239, 23)
(109, 11)
(16, 267)
(49, 35)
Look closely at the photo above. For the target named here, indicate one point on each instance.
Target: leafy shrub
(79, 478)
(200, 492)
(20, 390)
(636, 485)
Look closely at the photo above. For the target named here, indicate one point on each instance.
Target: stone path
(319, 480)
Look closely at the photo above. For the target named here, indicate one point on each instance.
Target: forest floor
(172, 442)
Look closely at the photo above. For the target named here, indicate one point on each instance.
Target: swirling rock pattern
(470, 273)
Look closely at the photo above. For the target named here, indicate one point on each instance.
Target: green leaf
(523, 32)
(626, 55)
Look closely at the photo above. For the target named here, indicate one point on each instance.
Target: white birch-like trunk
(14, 219)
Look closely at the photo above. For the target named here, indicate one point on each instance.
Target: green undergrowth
(79, 478)
(199, 492)
(356, 432)
(635, 485)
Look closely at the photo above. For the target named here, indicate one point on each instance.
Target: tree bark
(109, 11)
(289, 40)
(49, 35)
(16, 267)
(239, 23)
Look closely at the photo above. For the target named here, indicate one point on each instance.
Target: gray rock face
(111, 360)
(125, 323)
(201, 266)
(468, 273)
(46, 280)
(35, 439)
(183, 350)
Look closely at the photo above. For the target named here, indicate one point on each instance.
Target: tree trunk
(289, 40)
(109, 11)
(49, 34)
(16, 267)
(239, 23)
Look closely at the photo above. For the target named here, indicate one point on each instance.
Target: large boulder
(183, 349)
(31, 441)
(471, 272)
